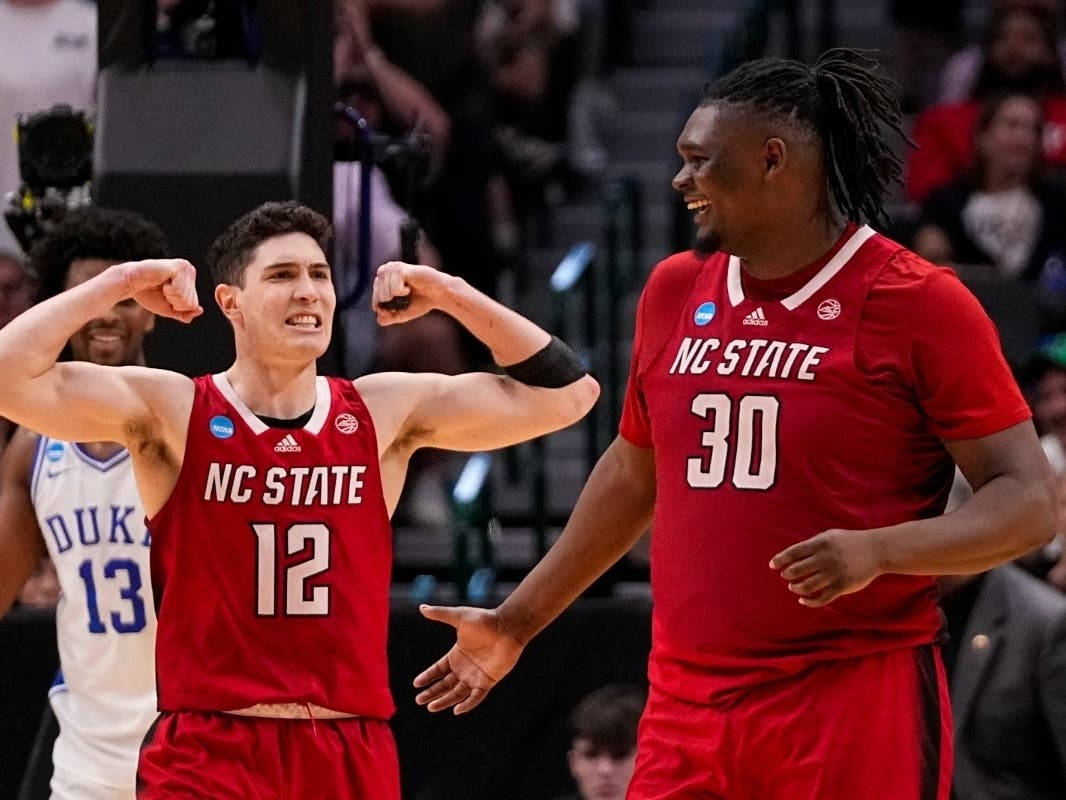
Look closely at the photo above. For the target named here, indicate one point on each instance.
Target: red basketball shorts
(190, 754)
(876, 727)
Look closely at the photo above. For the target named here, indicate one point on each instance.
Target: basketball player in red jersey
(800, 390)
(268, 491)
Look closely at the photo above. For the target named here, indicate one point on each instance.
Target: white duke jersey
(92, 520)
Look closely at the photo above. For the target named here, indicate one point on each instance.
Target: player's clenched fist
(404, 291)
(165, 286)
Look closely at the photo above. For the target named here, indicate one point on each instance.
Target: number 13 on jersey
(743, 432)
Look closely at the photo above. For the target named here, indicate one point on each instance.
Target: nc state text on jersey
(292, 486)
(759, 358)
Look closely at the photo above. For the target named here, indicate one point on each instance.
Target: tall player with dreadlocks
(800, 391)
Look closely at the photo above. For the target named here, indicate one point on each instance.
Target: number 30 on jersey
(743, 433)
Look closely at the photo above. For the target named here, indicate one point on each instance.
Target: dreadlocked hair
(843, 100)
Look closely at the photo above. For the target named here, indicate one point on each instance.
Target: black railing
(586, 292)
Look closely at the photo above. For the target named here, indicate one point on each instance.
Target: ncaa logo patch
(829, 309)
(54, 451)
(221, 427)
(705, 313)
(346, 423)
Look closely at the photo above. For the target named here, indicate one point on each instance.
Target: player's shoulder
(907, 273)
(675, 273)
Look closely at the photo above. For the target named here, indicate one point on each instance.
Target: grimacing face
(284, 308)
(114, 339)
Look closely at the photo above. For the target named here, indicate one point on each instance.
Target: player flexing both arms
(800, 390)
(268, 491)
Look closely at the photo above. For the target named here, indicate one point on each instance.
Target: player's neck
(786, 251)
(274, 391)
(101, 450)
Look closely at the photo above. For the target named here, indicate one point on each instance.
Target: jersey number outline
(298, 601)
(131, 593)
(753, 426)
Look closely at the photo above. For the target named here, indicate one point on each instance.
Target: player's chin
(708, 241)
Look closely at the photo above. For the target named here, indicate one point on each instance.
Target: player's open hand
(482, 655)
(165, 286)
(403, 292)
(828, 565)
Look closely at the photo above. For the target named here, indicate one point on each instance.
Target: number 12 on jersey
(300, 600)
(749, 435)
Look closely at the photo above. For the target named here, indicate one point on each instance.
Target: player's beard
(707, 243)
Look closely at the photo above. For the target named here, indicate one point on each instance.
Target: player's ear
(226, 297)
(775, 152)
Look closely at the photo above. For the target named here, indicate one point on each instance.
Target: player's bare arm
(612, 512)
(1012, 510)
(81, 401)
(141, 408)
(21, 544)
(475, 411)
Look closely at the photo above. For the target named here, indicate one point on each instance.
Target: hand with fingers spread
(165, 286)
(424, 288)
(482, 655)
(828, 565)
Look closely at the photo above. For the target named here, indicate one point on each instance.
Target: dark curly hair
(107, 234)
(235, 248)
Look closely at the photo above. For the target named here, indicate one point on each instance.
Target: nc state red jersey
(271, 560)
(775, 419)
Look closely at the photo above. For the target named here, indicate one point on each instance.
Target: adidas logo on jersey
(756, 317)
(287, 445)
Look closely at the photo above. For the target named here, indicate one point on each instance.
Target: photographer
(47, 56)
(431, 343)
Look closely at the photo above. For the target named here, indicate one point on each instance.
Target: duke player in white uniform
(77, 503)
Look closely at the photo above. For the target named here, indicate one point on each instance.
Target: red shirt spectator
(944, 135)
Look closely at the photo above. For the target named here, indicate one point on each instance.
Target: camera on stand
(55, 152)
(405, 161)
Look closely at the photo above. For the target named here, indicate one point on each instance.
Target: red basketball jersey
(775, 419)
(271, 560)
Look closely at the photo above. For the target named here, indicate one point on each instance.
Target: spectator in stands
(1022, 56)
(404, 103)
(960, 73)
(431, 343)
(603, 748)
(47, 56)
(1003, 214)
(77, 504)
(1006, 665)
(1043, 376)
(433, 42)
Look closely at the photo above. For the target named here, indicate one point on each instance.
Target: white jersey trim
(736, 289)
(314, 425)
(102, 464)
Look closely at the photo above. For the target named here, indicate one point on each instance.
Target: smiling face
(723, 178)
(283, 311)
(114, 339)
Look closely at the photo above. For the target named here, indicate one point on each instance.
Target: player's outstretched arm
(614, 509)
(79, 401)
(1012, 511)
(546, 386)
(21, 544)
